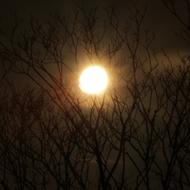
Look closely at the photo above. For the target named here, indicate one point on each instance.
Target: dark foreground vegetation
(52, 136)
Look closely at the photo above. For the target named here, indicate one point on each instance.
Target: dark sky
(157, 20)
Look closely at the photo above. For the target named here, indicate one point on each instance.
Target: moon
(93, 80)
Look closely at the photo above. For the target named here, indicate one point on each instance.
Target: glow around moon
(93, 80)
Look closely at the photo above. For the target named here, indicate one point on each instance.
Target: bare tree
(135, 136)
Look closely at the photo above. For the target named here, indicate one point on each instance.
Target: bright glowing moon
(93, 80)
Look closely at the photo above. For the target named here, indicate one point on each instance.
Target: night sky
(136, 134)
(158, 19)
